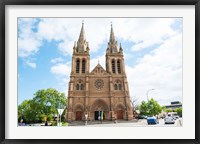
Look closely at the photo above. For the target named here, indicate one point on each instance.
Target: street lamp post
(60, 111)
(148, 93)
(47, 112)
(86, 116)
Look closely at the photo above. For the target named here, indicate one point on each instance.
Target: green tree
(168, 110)
(154, 107)
(44, 104)
(179, 111)
(150, 108)
(25, 112)
(144, 108)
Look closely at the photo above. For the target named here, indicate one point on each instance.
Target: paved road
(140, 123)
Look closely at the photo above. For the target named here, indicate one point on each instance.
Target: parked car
(141, 117)
(152, 120)
(173, 114)
(169, 120)
(177, 117)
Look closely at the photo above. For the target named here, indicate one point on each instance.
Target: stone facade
(99, 92)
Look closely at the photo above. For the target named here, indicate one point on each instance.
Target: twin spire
(112, 36)
(82, 37)
(82, 45)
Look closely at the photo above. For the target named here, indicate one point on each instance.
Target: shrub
(49, 118)
(43, 118)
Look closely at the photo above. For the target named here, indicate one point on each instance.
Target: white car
(169, 120)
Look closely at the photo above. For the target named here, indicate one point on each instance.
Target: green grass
(64, 124)
(54, 123)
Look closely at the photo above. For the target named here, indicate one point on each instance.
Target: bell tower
(81, 57)
(80, 68)
(114, 56)
(118, 81)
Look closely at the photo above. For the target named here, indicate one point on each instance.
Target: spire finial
(98, 61)
(82, 22)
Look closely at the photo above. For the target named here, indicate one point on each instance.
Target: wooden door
(79, 115)
(120, 114)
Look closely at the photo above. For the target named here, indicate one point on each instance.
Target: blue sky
(152, 50)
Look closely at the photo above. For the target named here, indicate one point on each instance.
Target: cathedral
(100, 92)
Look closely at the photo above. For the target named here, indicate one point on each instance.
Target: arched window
(120, 87)
(115, 86)
(77, 66)
(77, 87)
(113, 66)
(82, 87)
(118, 66)
(83, 66)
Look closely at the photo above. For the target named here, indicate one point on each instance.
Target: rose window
(99, 84)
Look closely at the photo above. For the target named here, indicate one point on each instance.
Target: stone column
(123, 65)
(110, 65)
(72, 66)
(87, 64)
(116, 71)
(80, 70)
(86, 96)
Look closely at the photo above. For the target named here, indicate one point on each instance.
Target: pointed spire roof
(82, 34)
(112, 36)
(82, 45)
(112, 44)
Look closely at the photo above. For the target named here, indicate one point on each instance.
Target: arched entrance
(120, 110)
(99, 115)
(79, 115)
(79, 111)
(100, 109)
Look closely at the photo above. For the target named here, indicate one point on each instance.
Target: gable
(98, 70)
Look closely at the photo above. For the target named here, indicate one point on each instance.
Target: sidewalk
(95, 122)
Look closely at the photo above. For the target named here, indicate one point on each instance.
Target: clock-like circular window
(99, 84)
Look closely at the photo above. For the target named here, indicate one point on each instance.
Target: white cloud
(142, 31)
(66, 47)
(56, 60)
(28, 46)
(31, 64)
(28, 42)
(62, 72)
(160, 70)
(96, 60)
(61, 69)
